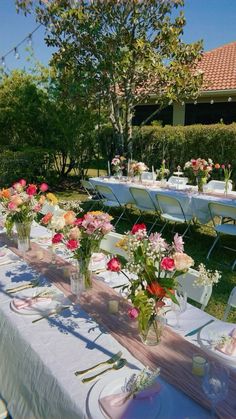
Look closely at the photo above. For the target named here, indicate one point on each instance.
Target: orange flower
(69, 217)
(47, 218)
(155, 289)
(217, 166)
(5, 193)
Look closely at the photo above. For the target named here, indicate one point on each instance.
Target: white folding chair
(217, 185)
(172, 211)
(3, 410)
(108, 244)
(200, 294)
(144, 203)
(110, 200)
(147, 176)
(223, 211)
(231, 303)
(91, 192)
(177, 181)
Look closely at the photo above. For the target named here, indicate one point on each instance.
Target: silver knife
(193, 332)
(55, 311)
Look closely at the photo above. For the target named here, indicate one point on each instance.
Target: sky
(214, 21)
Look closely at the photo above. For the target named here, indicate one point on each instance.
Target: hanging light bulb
(17, 55)
(212, 101)
(29, 42)
(195, 102)
(230, 99)
(3, 62)
(183, 103)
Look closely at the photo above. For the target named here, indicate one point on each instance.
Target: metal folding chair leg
(212, 247)
(186, 230)
(233, 266)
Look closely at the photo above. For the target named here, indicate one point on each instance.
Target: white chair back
(51, 208)
(88, 186)
(108, 244)
(107, 193)
(200, 294)
(231, 303)
(176, 180)
(169, 205)
(147, 176)
(217, 185)
(142, 199)
(222, 210)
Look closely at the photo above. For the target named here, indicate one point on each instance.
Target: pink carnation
(22, 182)
(168, 264)
(72, 244)
(12, 206)
(43, 187)
(138, 227)
(37, 208)
(133, 313)
(114, 265)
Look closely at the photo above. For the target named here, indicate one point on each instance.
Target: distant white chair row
(217, 185)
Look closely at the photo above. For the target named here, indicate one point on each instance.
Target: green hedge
(178, 144)
(33, 165)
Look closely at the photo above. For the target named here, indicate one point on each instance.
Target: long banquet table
(38, 360)
(193, 203)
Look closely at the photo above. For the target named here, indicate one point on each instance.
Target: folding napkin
(118, 406)
(227, 345)
(20, 303)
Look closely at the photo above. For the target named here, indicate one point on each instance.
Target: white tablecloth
(193, 203)
(38, 360)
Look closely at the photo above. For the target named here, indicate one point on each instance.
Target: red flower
(22, 182)
(43, 187)
(78, 221)
(155, 289)
(57, 238)
(133, 313)
(168, 264)
(114, 265)
(31, 190)
(137, 227)
(72, 244)
(223, 166)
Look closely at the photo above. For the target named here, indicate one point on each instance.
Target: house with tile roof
(217, 99)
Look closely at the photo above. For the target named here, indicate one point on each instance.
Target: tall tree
(126, 51)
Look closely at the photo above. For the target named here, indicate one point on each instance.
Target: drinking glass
(215, 384)
(181, 305)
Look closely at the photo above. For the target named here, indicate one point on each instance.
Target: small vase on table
(201, 181)
(23, 235)
(151, 332)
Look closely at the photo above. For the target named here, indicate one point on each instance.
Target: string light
(212, 102)
(230, 99)
(15, 49)
(183, 103)
(195, 102)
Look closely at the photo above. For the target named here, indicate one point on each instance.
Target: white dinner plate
(41, 307)
(158, 407)
(212, 333)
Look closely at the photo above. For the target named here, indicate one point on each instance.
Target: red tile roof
(219, 66)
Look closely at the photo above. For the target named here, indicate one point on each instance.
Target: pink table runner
(173, 355)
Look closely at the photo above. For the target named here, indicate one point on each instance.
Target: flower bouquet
(82, 237)
(137, 169)
(118, 164)
(163, 172)
(156, 265)
(200, 169)
(21, 203)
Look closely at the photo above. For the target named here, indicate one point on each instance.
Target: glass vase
(151, 333)
(201, 181)
(23, 235)
(85, 272)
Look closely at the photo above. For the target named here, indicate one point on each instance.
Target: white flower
(206, 277)
(57, 222)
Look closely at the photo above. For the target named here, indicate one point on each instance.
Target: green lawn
(197, 246)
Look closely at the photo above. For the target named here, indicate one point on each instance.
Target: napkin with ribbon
(121, 406)
(20, 303)
(227, 344)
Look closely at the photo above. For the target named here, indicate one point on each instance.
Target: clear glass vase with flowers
(82, 237)
(21, 203)
(137, 169)
(199, 169)
(118, 165)
(156, 265)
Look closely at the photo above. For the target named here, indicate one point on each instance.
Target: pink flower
(114, 265)
(178, 243)
(78, 221)
(133, 313)
(31, 190)
(137, 227)
(223, 166)
(182, 261)
(168, 264)
(57, 238)
(37, 208)
(12, 206)
(22, 182)
(72, 244)
(17, 200)
(43, 187)
(17, 186)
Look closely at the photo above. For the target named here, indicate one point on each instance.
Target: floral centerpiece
(21, 203)
(200, 169)
(137, 168)
(163, 172)
(118, 164)
(223, 172)
(82, 237)
(156, 265)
